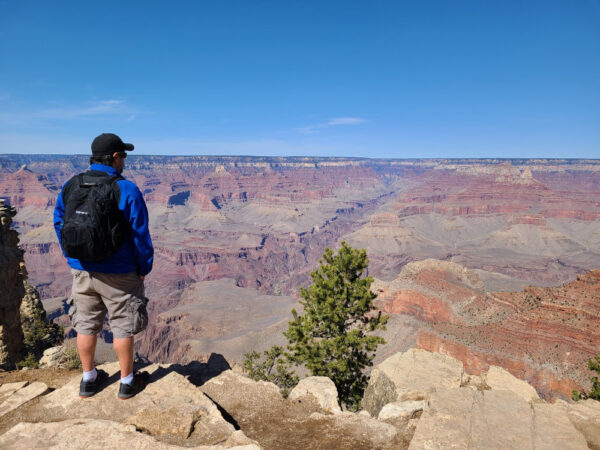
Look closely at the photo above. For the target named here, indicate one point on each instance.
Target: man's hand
(142, 277)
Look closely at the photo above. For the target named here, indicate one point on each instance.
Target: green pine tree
(332, 337)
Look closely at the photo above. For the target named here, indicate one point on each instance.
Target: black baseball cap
(108, 143)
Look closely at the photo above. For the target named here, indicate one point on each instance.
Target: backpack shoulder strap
(115, 187)
(72, 183)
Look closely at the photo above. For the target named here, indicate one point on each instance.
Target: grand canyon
(493, 262)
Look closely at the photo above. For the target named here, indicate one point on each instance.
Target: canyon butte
(492, 262)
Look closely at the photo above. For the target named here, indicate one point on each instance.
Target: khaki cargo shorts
(120, 294)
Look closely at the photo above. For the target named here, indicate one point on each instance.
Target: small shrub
(38, 334)
(594, 365)
(273, 366)
(29, 361)
(70, 359)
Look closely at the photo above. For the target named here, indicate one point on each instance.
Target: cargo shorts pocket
(139, 314)
(72, 312)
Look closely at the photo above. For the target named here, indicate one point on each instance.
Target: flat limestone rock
(233, 391)
(322, 389)
(402, 410)
(412, 375)
(21, 396)
(169, 408)
(8, 389)
(499, 379)
(465, 418)
(553, 429)
(90, 434)
(585, 416)
(354, 427)
(12, 387)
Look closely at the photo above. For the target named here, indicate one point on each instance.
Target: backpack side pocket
(139, 314)
(72, 313)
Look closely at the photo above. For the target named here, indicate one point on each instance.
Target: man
(110, 279)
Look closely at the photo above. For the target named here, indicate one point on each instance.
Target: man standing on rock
(101, 221)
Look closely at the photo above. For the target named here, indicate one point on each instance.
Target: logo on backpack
(93, 226)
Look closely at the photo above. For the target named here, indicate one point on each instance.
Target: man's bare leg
(124, 349)
(86, 346)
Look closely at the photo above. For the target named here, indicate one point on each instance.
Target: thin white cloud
(346, 121)
(92, 109)
(336, 121)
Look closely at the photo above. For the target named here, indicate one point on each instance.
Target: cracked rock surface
(192, 407)
(170, 410)
(465, 418)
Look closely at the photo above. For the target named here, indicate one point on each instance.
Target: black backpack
(93, 226)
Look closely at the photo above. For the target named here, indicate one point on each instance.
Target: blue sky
(390, 79)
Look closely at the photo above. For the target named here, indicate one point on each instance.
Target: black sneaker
(139, 383)
(89, 388)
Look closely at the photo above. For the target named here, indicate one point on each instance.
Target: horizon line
(307, 157)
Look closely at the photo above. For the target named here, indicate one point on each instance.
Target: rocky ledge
(414, 400)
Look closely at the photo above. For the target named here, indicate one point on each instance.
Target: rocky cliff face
(23, 326)
(11, 289)
(542, 335)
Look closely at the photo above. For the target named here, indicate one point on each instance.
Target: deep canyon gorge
(494, 262)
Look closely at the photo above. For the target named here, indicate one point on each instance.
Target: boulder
(90, 434)
(497, 378)
(274, 422)
(465, 418)
(233, 391)
(412, 375)
(322, 389)
(51, 356)
(585, 416)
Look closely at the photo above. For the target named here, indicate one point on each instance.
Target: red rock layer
(542, 335)
(25, 188)
(503, 190)
(548, 384)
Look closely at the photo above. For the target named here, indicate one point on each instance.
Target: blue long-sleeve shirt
(136, 254)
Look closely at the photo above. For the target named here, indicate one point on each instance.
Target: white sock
(90, 376)
(128, 379)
